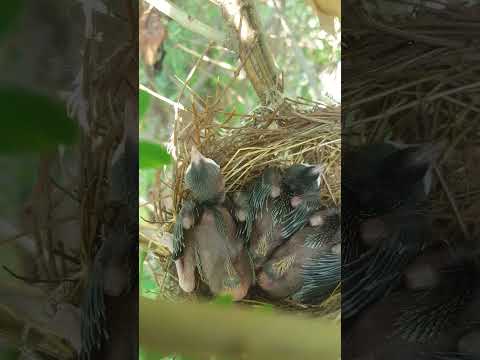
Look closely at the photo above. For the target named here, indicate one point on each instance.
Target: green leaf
(149, 285)
(226, 299)
(143, 103)
(149, 355)
(10, 12)
(153, 155)
(9, 353)
(32, 122)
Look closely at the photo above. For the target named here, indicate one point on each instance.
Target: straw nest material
(414, 78)
(295, 132)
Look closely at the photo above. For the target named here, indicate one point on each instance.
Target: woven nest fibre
(296, 132)
(414, 78)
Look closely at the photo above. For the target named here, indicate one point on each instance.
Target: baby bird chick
(204, 235)
(270, 200)
(262, 206)
(383, 230)
(204, 179)
(434, 317)
(307, 267)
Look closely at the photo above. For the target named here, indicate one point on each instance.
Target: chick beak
(195, 155)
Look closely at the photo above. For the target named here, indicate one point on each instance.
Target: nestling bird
(435, 317)
(383, 228)
(204, 179)
(300, 179)
(270, 207)
(205, 235)
(302, 184)
(303, 206)
(112, 287)
(239, 205)
(307, 267)
(263, 205)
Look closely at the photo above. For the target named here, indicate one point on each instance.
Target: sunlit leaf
(143, 103)
(148, 355)
(32, 122)
(226, 299)
(152, 155)
(9, 353)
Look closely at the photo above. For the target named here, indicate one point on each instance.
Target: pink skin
(212, 256)
(275, 192)
(421, 276)
(187, 222)
(424, 272)
(186, 274)
(241, 215)
(337, 249)
(317, 220)
(239, 293)
(373, 231)
(264, 281)
(296, 201)
(185, 266)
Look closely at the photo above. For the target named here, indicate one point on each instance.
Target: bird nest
(413, 77)
(294, 132)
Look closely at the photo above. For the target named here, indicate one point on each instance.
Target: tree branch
(327, 7)
(201, 330)
(254, 53)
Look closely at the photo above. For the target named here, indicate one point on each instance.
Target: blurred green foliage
(152, 155)
(143, 355)
(144, 100)
(33, 122)
(10, 353)
(9, 14)
(223, 300)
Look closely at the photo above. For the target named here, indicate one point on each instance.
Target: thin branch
(192, 72)
(10, 237)
(64, 189)
(187, 21)
(453, 203)
(224, 65)
(160, 97)
(36, 281)
(312, 78)
(255, 55)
